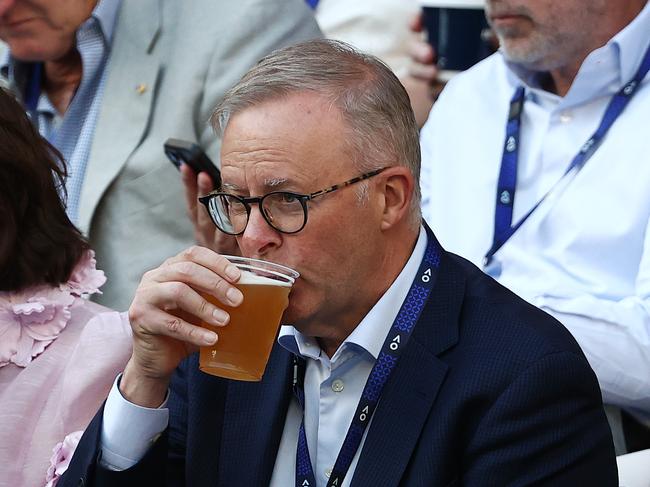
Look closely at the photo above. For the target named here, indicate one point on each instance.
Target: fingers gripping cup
(244, 345)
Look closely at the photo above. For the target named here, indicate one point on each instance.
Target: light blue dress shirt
(72, 133)
(584, 255)
(333, 389)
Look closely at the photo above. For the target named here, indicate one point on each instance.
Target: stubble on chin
(531, 51)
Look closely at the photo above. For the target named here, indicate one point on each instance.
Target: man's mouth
(15, 24)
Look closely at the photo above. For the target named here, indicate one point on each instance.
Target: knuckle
(203, 308)
(191, 252)
(185, 269)
(176, 290)
(173, 325)
(221, 287)
(166, 263)
(135, 312)
(150, 275)
(192, 333)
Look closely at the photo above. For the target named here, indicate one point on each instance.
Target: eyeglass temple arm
(346, 183)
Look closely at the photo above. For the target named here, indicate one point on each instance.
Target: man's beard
(535, 52)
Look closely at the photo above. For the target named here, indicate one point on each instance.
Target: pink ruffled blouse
(59, 355)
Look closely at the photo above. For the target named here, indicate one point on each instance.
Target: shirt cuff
(128, 430)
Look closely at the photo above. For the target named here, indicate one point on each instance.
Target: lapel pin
(141, 88)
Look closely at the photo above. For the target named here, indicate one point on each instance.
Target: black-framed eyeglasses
(285, 211)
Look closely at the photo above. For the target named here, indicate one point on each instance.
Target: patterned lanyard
(396, 339)
(503, 228)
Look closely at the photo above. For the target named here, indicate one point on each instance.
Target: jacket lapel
(413, 387)
(127, 100)
(256, 413)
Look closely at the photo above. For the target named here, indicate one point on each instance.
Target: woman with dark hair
(59, 352)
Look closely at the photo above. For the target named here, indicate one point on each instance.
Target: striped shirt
(72, 133)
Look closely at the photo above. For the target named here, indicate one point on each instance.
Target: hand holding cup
(164, 315)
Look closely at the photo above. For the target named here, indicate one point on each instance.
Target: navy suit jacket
(489, 391)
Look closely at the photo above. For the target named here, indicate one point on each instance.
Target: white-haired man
(471, 385)
(535, 164)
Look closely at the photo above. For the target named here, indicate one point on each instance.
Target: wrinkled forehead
(279, 142)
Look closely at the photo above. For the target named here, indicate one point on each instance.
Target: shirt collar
(370, 333)
(104, 13)
(606, 69)
(6, 71)
(632, 43)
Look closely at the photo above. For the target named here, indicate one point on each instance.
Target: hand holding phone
(185, 152)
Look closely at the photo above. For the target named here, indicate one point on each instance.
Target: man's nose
(259, 237)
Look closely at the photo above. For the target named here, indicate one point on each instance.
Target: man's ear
(397, 189)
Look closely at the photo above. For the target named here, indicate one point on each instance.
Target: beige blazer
(170, 63)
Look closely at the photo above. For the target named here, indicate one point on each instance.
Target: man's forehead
(299, 109)
(256, 178)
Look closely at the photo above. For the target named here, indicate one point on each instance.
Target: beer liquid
(245, 343)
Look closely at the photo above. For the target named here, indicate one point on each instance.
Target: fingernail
(234, 295)
(209, 337)
(220, 316)
(233, 272)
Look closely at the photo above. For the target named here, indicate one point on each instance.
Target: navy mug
(459, 34)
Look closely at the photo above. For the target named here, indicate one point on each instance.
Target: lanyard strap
(33, 88)
(396, 339)
(503, 228)
(312, 3)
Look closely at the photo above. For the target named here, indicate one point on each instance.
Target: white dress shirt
(584, 255)
(333, 389)
(378, 27)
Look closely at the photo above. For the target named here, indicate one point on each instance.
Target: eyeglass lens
(283, 211)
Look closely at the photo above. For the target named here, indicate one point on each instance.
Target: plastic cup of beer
(244, 344)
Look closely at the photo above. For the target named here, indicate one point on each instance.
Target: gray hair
(374, 104)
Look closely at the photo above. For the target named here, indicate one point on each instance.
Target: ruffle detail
(61, 456)
(33, 318)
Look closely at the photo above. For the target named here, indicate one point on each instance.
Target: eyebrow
(269, 183)
(229, 186)
(275, 182)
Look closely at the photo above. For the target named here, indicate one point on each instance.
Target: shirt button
(337, 385)
(566, 117)
(328, 472)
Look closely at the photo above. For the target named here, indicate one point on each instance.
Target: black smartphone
(185, 152)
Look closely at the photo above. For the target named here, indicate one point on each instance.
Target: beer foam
(248, 277)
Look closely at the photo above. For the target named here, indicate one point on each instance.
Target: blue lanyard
(396, 339)
(503, 228)
(33, 88)
(312, 3)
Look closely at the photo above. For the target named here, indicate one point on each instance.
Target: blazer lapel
(411, 390)
(256, 413)
(127, 100)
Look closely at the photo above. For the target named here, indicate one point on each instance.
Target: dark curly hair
(38, 242)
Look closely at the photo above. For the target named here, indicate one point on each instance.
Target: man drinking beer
(399, 363)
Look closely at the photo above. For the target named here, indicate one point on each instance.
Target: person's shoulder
(485, 80)
(242, 11)
(493, 68)
(480, 93)
(236, 26)
(505, 326)
(99, 318)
